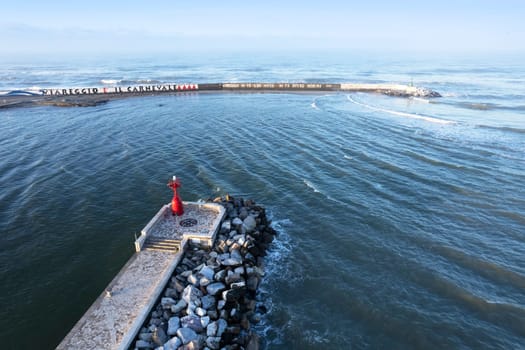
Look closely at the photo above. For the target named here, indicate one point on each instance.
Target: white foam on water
(314, 102)
(377, 186)
(32, 89)
(311, 186)
(110, 81)
(280, 247)
(419, 99)
(316, 190)
(276, 269)
(402, 114)
(315, 337)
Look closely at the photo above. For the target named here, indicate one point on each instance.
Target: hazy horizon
(135, 27)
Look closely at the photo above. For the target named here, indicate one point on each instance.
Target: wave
(140, 81)
(110, 81)
(419, 99)
(30, 89)
(502, 128)
(402, 114)
(33, 88)
(480, 106)
(311, 186)
(316, 190)
(277, 269)
(129, 81)
(514, 108)
(485, 106)
(504, 314)
(463, 70)
(281, 247)
(314, 104)
(481, 266)
(323, 80)
(433, 161)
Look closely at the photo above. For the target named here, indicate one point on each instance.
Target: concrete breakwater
(210, 302)
(90, 96)
(385, 89)
(191, 284)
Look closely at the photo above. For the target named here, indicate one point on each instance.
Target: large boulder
(234, 259)
(193, 322)
(142, 344)
(252, 283)
(173, 344)
(159, 336)
(186, 334)
(211, 330)
(208, 302)
(213, 342)
(237, 222)
(221, 326)
(232, 278)
(167, 302)
(181, 305)
(207, 272)
(243, 213)
(191, 295)
(215, 288)
(173, 325)
(249, 224)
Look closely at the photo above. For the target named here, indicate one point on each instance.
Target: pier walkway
(92, 96)
(115, 318)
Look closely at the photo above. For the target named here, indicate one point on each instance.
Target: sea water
(401, 221)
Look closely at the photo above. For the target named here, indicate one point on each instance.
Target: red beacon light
(176, 203)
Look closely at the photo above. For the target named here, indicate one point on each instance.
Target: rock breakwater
(210, 301)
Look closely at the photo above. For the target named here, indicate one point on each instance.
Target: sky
(162, 26)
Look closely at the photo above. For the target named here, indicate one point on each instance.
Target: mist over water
(401, 220)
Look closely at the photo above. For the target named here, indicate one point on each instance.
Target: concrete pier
(92, 96)
(115, 317)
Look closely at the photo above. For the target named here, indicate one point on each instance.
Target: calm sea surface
(402, 221)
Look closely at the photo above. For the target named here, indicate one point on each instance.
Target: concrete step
(162, 240)
(164, 244)
(163, 248)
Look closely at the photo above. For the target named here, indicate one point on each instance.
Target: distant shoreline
(85, 97)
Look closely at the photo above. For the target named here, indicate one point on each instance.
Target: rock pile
(414, 92)
(210, 301)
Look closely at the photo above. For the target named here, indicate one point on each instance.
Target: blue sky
(32, 27)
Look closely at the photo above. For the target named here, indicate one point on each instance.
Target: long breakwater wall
(88, 96)
(389, 89)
